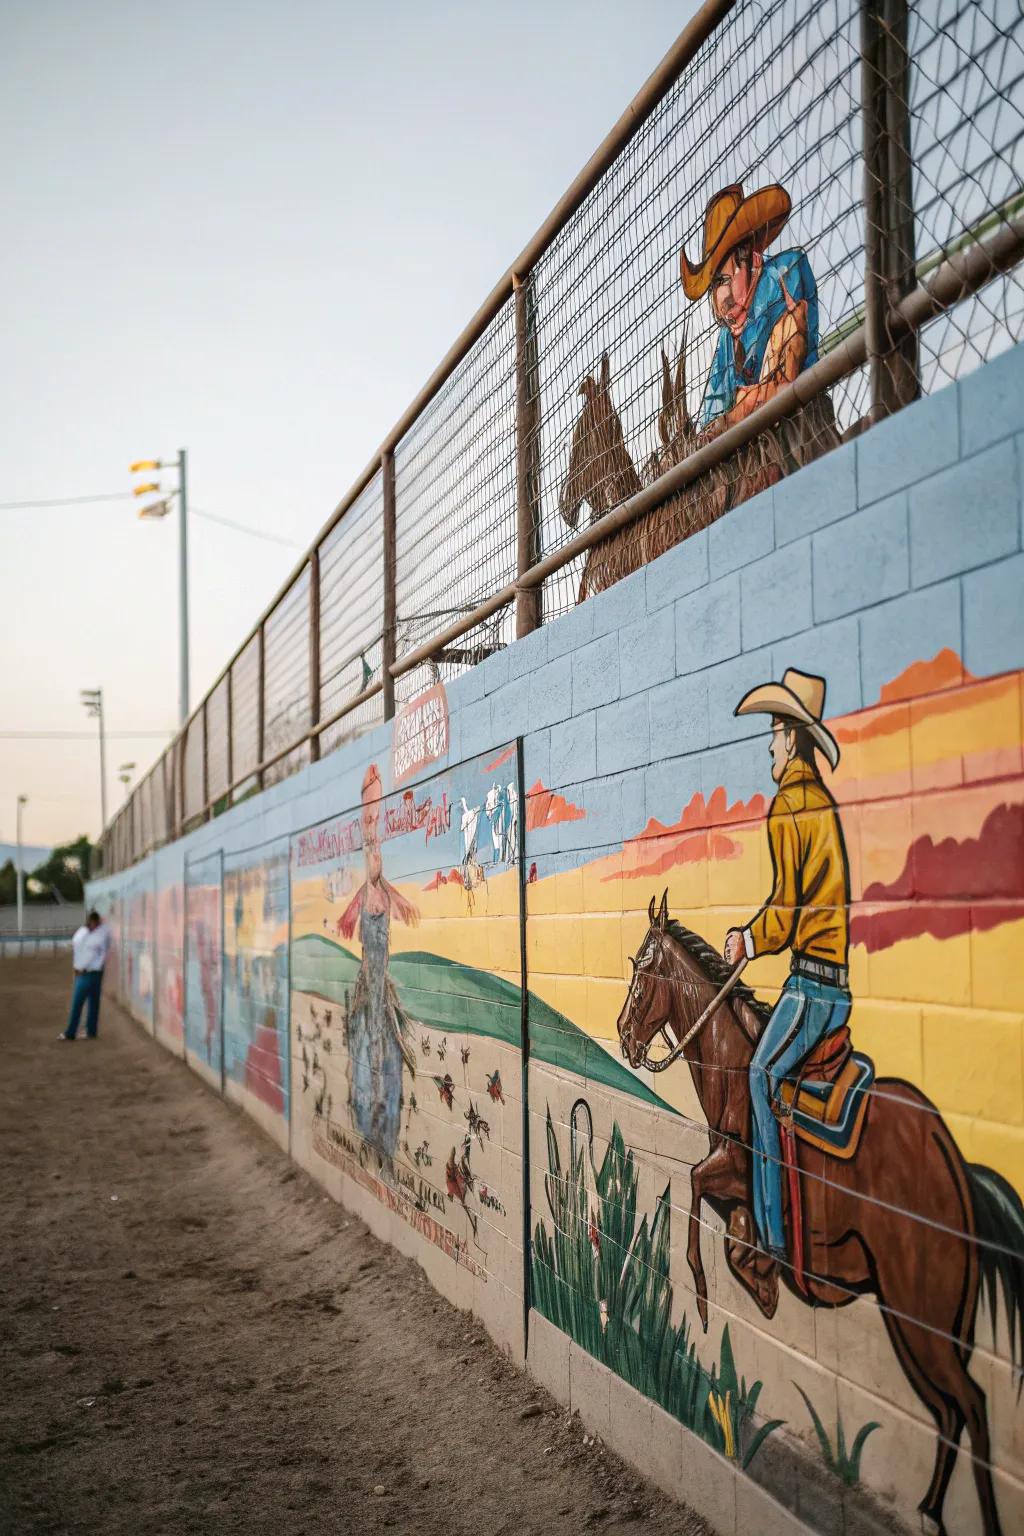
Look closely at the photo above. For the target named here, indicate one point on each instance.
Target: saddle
(824, 1102)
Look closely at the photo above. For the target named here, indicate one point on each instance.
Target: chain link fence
(812, 214)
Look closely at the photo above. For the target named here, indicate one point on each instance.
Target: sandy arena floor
(196, 1340)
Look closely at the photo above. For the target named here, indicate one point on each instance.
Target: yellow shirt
(808, 909)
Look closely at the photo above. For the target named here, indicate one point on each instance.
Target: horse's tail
(999, 1224)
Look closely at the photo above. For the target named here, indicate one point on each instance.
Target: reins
(698, 1024)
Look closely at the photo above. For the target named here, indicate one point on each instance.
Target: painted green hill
(446, 995)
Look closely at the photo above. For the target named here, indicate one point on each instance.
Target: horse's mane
(715, 966)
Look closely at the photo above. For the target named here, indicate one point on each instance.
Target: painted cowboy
(806, 913)
(767, 308)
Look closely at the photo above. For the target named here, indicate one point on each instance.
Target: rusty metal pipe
(692, 38)
(962, 274)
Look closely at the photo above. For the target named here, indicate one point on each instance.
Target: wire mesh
(158, 790)
(145, 805)
(772, 101)
(245, 715)
(854, 145)
(352, 616)
(965, 108)
(217, 727)
(455, 505)
(193, 768)
(286, 697)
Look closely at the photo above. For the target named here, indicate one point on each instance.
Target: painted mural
(169, 1019)
(204, 968)
(765, 306)
(138, 946)
(830, 1192)
(406, 1010)
(255, 1007)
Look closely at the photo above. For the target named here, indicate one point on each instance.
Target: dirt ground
(194, 1339)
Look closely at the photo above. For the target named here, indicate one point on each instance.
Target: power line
(227, 522)
(210, 517)
(64, 501)
(82, 735)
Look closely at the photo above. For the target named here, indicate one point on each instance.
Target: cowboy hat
(730, 219)
(801, 697)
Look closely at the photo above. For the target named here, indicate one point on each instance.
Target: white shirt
(89, 948)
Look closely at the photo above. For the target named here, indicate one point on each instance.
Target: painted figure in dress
(379, 1030)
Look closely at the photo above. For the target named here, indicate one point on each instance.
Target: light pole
(92, 698)
(22, 800)
(159, 509)
(124, 773)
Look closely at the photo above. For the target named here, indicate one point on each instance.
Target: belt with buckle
(820, 970)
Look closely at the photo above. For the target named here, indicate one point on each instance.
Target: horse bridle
(675, 1051)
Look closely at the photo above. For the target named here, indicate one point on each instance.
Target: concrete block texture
(623, 735)
(861, 560)
(775, 595)
(822, 493)
(677, 572)
(595, 674)
(965, 517)
(993, 628)
(550, 693)
(679, 716)
(742, 535)
(909, 447)
(913, 627)
(708, 625)
(573, 750)
(992, 401)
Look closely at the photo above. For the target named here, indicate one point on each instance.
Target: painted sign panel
(256, 986)
(203, 968)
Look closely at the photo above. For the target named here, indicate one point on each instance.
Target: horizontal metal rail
(962, 274)
(651, 93)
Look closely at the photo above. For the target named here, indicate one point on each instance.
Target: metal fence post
(230, 744)
(314, 651)
(261, 713)
(207, 808)
(889, 245)
(528, 603)
(387, 466)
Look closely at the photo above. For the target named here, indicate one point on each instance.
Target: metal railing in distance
(597, 409)
(352, 616)
(26, 946)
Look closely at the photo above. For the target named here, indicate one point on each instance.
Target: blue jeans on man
(805, 1013)
(86, 994)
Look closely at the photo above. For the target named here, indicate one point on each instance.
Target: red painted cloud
(954, 885)
(546, 809)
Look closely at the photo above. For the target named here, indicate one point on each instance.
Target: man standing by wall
(89, 955)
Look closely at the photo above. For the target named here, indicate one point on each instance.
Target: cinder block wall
(893, 569)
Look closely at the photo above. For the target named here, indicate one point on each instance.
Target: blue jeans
(804, 1014)
(86, 994)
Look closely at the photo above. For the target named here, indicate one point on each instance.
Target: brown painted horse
(602, 473)
(905, 1219)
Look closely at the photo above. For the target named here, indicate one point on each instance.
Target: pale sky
(252, 230)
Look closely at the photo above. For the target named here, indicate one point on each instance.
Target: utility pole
(183, 585)
(22, 800)
(92, 698)
(158, 509)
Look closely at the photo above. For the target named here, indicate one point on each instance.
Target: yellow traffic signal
(144, 490)
(145, 464)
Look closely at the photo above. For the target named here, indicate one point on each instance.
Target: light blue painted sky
(252, 229)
